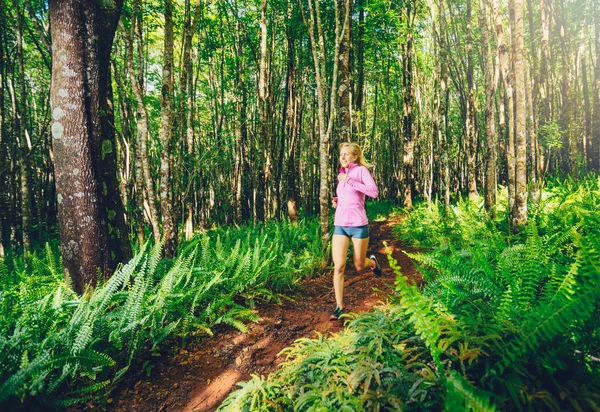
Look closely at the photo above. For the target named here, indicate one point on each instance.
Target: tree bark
(24, 142)
(408, 112)
(169, 225)
(75, 105)
(589, 148)
(470, 126)
(244, 201)
(519, 215)
(105, 153)
(506, 107)
(344, 82)
(185, 109)
(142, 161)
(325, 122)
(290, 115)
(360, 67)
(491, 154)
(444, 166)
(264, 174)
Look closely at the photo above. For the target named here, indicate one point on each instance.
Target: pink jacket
(351, 193)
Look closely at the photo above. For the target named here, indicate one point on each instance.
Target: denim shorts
(355, 232)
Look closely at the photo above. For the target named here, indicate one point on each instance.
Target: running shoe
(337, 313)
(376, 269)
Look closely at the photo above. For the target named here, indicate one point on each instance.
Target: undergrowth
(58, 349)
(503, 321)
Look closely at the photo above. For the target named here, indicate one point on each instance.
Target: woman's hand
(334, 202)
(342, 177)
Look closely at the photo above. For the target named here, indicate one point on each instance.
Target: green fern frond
(461, 395)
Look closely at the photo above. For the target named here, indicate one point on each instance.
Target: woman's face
(346, 156)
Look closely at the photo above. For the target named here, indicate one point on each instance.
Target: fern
(461, 395)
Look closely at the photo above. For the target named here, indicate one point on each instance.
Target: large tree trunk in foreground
(75, 105)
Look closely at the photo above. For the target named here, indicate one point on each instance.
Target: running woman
(351, 223)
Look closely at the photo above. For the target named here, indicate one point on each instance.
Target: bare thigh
(360, 252)
(339, 250)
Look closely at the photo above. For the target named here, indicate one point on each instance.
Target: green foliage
(503, 321)
(53, 342)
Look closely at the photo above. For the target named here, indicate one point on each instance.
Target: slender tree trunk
(169, 225)
(470, 127)
(543, 85)
(491, 154)
(185, 110)
(264, 178)
(344, 83)
(519, 215)
(142, 162)
(244, 200)
(325, 123)
(533, 93)
(290, 114)
(105, 149)
(136, 188)
(444, 167)
(360, 66)
(589, 148)
(506, 109)
(24, 143)
(408, 112)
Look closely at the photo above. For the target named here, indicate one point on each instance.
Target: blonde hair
(356, 150)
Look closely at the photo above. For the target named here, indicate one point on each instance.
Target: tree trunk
(408, 112)
(470, 127)
(105, 153)
(142, 161)
(75, 108)
(290, 115)
(589, 148)
(185, 110)
(169, 225)
(24, 143)
(264, 178)
(506, 109)
(519, 215)
(491, 154)
(543, 84)
(344, 82)
(325, 122)
(244, 201)
(533, 93)
(444, 165)
(360, 66)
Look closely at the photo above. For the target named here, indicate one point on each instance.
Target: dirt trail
(199, 377)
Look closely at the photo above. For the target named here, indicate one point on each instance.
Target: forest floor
(199, 377)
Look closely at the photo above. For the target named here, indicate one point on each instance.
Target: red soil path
(201, 376)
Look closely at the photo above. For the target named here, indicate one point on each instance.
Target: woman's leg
(360, 254)
(339, 250)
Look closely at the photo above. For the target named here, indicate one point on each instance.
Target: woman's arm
(365, 183)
